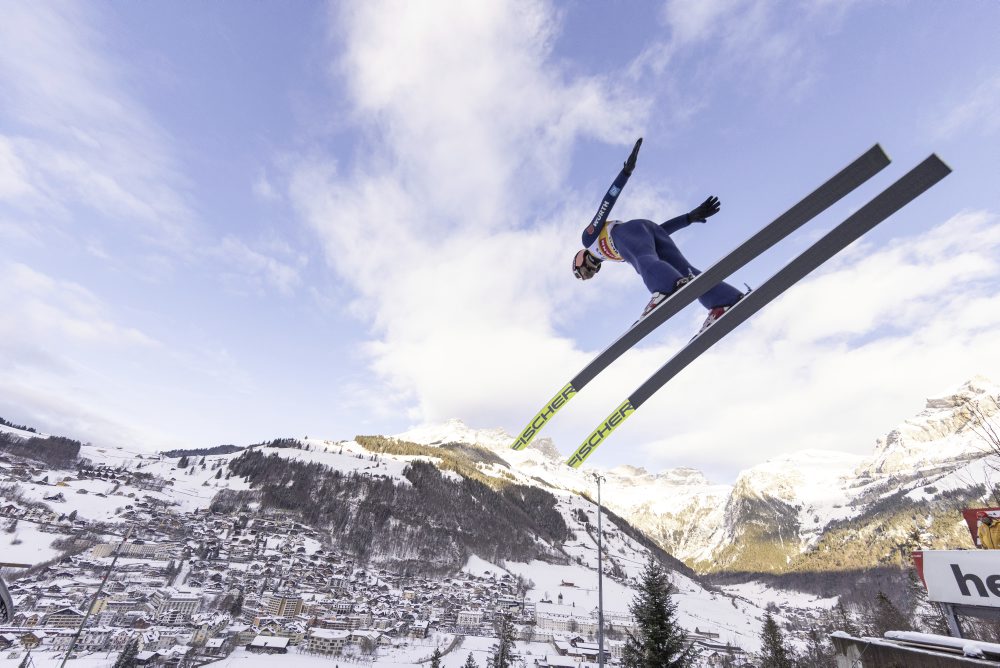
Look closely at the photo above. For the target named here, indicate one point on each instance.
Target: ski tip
(878, 155)
(936, 159)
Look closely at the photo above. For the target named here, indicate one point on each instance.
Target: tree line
(435, 521)
(56, 451)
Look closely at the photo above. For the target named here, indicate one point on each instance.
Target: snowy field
(32, 545)
(54, 659)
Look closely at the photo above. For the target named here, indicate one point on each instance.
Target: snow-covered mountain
(780, 512)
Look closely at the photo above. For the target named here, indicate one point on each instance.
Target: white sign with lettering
(964, 577)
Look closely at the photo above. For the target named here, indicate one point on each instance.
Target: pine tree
(842, 620)
(502, 655)
(886, 617)
(237, 609)
(926, 613)
(819, 653)
(659, 640)
(127, 658)
(436, 658)
(470, 662)
(773, 653)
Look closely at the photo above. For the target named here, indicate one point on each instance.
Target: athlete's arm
(601, 217)
(675, 224)
(699, 214)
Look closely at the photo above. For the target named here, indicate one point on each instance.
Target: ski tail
(543, 416)
(597, 436)
(834, 189)
(889, 201)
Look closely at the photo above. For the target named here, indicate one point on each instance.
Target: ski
(845, 181)
(889, 201)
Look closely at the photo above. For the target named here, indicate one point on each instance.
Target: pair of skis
(893, 198)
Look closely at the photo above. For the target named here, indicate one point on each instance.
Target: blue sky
(226, 222)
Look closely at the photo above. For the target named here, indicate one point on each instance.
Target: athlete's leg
(634, 240)
(722, 294)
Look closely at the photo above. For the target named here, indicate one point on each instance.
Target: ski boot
(660, 297)
(717, 312)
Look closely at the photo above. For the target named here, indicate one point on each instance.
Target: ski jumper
(647, 246)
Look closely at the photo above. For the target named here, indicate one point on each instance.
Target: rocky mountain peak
(941, 432)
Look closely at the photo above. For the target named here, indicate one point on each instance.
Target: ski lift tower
(600, 578)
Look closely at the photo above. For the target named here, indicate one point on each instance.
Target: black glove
(709, 207)
(630, 163)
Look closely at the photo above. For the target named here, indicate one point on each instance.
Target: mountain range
(807, 511)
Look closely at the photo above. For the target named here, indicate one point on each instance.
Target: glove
(630, 163)
(709, 207)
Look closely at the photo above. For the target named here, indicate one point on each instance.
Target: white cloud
(759, 47)
(264, 189)
(47, 314)
(841, 358)
(75, 135)
(447, 229)
(978, 112)
(253, 269)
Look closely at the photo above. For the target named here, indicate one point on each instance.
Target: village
(191, 587)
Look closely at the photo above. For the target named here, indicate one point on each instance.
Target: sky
(231, 222)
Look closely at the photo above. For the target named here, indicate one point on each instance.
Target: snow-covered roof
(330, 634)
(269, 641)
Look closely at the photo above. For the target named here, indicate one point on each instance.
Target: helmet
(585, 264)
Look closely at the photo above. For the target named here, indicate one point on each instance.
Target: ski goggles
(585, 265)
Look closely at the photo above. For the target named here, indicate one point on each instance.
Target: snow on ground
(54, 659)
(33, 546)
(20, 433)
(735, 620)
(481, 568)
(416, 653)
(244, 659)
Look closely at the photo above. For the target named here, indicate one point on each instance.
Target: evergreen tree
(127, 658)
(773, 653)
(436, 658)
(182, 462)
(237, 608)
(659, 640)
(470, 662)
(926, 613)
(886, 617)
(819, 653)
(502, 655)
(842, 620)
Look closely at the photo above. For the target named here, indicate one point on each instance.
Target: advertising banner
(961, 577)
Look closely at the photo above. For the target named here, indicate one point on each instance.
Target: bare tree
(985, 427)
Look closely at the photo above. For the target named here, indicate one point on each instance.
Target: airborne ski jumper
(587, 263)
(647, 246)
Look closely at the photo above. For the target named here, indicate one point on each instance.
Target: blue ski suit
(647, 246)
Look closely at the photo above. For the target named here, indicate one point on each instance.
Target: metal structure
(600, 578)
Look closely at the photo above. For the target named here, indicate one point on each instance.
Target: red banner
(918, 563)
